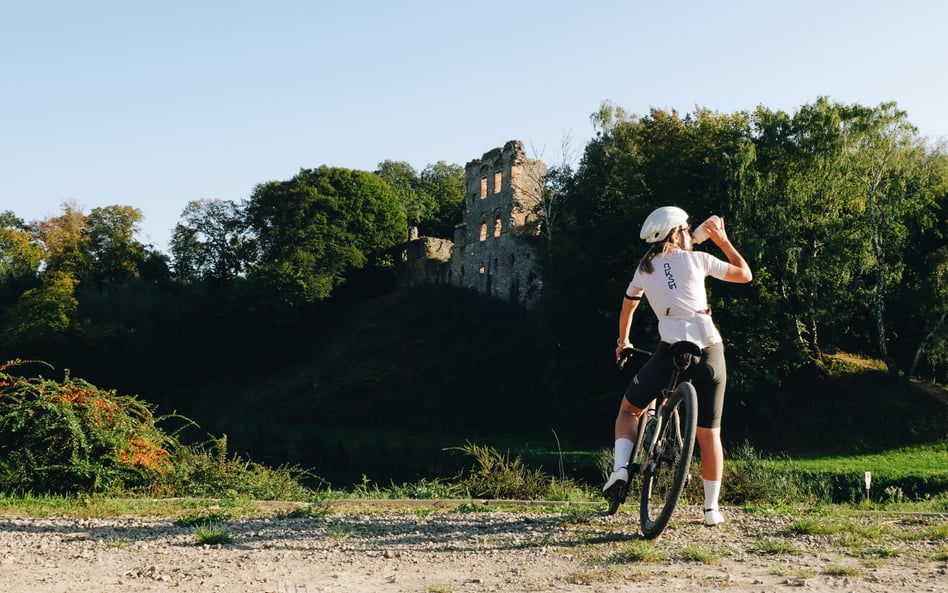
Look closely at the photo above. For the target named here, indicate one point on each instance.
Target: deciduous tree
(323, 223)
(211, 243)
(115, 254)
(443, 185)
(20, 257)
(893, 176)
(403, 180)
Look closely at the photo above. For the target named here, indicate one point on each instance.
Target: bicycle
(664, 445)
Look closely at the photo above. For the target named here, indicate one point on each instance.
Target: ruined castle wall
(492, 252)
(425, 260)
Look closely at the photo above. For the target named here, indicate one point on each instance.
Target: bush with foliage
(69, 436)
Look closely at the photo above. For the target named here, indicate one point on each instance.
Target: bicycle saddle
(684, 353)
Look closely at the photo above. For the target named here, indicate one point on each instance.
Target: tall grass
(498, 475)
(757, 479)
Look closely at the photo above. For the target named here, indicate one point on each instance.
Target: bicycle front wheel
(666, 471)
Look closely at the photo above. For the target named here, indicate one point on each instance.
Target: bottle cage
(684, 353)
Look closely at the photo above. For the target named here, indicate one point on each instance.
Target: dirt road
(430, 549)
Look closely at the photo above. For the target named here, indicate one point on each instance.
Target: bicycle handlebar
(626, 354)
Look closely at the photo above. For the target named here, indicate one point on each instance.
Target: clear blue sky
(155, 104)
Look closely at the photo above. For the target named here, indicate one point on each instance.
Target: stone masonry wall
(489, 253)
(425, 260)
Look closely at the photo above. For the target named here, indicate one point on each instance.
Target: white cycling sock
(712, 488)
(623, 450)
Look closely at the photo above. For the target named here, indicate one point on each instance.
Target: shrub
(71, 437)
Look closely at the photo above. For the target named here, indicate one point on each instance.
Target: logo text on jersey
(668, 277)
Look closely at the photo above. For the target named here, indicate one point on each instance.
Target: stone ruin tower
(492, 252)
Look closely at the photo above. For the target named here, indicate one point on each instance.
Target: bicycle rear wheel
(667, 470)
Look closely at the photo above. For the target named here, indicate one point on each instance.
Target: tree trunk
(815, 339)
(921, 345)
(878, 250)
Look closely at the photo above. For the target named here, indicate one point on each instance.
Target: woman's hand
(716, 232)
(620, 346)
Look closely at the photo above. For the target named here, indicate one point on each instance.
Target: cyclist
(671, 276)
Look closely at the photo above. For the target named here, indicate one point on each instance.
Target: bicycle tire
(616, 500)
(634, 465)
(667, 470)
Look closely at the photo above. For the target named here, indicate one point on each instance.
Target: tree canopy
(433, 200)
(315, 228)
(840, 209)
(830, 205)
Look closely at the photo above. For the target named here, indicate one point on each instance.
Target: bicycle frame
(661, 432)
(682, 358)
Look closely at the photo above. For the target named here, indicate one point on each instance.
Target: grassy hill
(385, 388)
(394, 383)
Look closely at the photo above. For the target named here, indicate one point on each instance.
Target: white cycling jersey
(676, 293)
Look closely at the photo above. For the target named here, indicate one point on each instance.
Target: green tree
(443, 185)
(211, 243)
(894, 178)
(916, 307)
(115, 255)
(100, 248)
(20, 257)
(315, 228)
(43, 318)
(433, 200)
(64, 240)
(806, 220)
(403, 180)
(931, 300)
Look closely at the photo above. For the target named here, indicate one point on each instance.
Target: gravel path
(438, 549)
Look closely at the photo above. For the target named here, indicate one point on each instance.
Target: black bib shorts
(709, 378)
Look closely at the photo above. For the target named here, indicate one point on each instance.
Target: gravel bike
(664, 445)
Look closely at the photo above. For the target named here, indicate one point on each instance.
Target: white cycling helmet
(661, 222)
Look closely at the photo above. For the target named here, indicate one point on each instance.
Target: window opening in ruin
(498, 180)
(483, 187)
(497, 226)
(483, 269)
(496, 265)
(483, 235)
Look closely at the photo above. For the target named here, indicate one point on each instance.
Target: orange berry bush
(68, 437)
